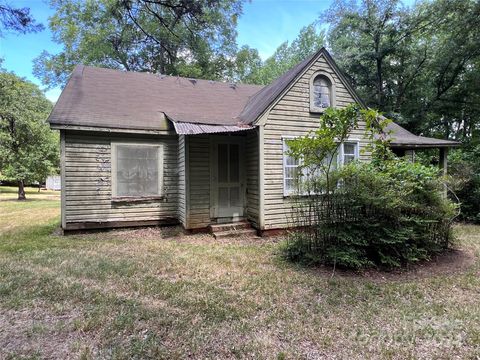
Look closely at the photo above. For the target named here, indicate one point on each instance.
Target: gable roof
(107, 98)
(130, 100)
(262, 100)
(99, 97)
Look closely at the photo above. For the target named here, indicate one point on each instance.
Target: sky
(264, 25)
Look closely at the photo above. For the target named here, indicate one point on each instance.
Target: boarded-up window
(138, 170)
(322, 92)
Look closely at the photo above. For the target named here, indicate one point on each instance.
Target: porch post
(443, 160)
(410, 155)
(443, 164)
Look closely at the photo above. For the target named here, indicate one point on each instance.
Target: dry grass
(156, 293)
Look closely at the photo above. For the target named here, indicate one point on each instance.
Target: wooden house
(144, 149)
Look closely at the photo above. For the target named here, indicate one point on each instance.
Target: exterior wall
(252, 168)
(182, 198)
(291, 117)
(198, 182)
(87, 196)
(53, 182)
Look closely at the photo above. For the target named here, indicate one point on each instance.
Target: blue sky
(264, 25)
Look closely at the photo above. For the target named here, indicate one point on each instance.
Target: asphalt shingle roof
(130, 100)
(98, 97)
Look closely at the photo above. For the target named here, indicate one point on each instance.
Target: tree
(186, 38)
(309, 40)
(415, 64)
(420, 66)
(246, 66)
(387, 212)
(28, 148)
(17, 19)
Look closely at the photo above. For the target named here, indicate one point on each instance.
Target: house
(143, 149)
(53, 182)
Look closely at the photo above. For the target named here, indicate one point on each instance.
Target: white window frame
(340, 158)
(341, 152)
(113, 159)
(284, 162)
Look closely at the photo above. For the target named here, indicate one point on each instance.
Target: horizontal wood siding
(252, 162)
(199, 181)
(88, 192)
(291, 117)
(182, 204)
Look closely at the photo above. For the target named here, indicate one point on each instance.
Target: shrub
(465, 181)
(385, 214)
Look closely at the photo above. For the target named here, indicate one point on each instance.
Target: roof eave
(452, 144)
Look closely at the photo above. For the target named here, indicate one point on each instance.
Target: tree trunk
(21, 190)
(379, 83)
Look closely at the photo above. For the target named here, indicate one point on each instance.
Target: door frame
(214, 141)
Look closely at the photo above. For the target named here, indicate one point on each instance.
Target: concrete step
(234, 233)
(230, 226)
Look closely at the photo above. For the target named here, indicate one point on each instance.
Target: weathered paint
(87, 195)
(290, 116)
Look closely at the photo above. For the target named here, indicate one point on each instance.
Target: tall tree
(17, 19)
(28, 148)
(186, 37)
(309, 40)
(409, 62)
(246, 66)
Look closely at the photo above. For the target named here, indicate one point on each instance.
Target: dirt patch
(175, 233)
(452, 262)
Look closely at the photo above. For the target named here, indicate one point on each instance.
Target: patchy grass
(155, 293)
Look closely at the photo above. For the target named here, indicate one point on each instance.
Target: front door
(227, 180)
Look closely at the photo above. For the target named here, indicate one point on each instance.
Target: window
(137, 170)
(321, 92)
(290, 170)
(347, 152)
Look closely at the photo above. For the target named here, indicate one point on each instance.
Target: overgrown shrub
(464, 167)
(385, 214)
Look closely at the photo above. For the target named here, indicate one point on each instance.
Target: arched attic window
(322, 92)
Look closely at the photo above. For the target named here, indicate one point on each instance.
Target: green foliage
(419, 64)
(316, 147)
(464, 168)
(17, 19)
(388, 212)
(28, 148)
(187, 38)
(309, 40)
(384, 215)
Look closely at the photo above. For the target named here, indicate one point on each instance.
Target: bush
(465, 181)
(384, 214)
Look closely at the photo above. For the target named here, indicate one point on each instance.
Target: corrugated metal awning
(183, 128)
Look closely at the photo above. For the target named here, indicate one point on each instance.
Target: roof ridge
(163, 76)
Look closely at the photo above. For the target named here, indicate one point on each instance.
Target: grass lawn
(156, 293)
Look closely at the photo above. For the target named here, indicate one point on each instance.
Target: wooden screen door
(228, 184)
